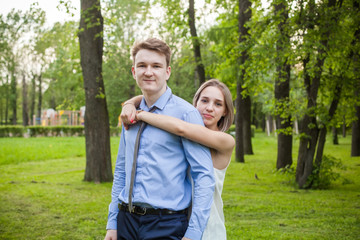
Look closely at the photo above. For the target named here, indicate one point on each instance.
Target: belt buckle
(143, 212)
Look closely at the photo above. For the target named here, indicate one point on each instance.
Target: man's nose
(148, 71)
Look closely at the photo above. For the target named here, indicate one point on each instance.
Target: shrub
(232, 130)
(322, 176)
(41, 131)
(115, 131)
(12, 131)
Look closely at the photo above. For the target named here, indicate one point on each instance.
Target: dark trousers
(131, 226)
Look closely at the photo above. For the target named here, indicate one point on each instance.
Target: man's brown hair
(153, 44)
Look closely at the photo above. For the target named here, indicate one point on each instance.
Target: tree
(322, 22)
(282, 88)
(355, 138)
(196, 43)
(242, 102)
(355, 141)
(13, 29)
(57, 51)
(97, 133)
(25, 114)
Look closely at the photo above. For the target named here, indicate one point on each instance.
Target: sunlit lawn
(42, 195)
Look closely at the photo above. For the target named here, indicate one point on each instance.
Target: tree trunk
(39, 103)
(243, 18)
(355, 138)
(25, 114)
(335, 137)
(2, 105)
(97, 133)
(282, 91)
(32, 99)
(196, 44)
(53, 99)
(308, 141)
(344, 127)
(7, 100)
(322, 138)
(310, 130)
(13, 97)
(247, 125)
(239, 144)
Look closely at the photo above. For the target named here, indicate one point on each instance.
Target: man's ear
(133, 72)
(168, 72)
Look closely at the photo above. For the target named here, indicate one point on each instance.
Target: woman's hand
(128, 115)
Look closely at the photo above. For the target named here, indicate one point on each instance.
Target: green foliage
(41, 131)
(322, 176)
(64, 76)
(115, 131)
(48, 131)
(122, 21)
(288, 172)
(12, 131)
(36, 131)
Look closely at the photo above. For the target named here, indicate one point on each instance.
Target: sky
(53, 14)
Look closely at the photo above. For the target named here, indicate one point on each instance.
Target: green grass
(42, 195)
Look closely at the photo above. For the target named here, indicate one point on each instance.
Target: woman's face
(211, 105)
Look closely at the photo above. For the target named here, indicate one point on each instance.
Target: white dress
(215, 228)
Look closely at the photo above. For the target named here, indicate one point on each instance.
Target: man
(162, 192)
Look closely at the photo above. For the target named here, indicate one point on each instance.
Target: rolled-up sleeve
(202, 172)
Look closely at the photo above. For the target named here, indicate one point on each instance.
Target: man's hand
(128, 115)
(111, 235)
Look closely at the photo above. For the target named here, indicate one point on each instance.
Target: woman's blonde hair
(225, 122)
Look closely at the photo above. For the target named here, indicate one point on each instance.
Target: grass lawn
(42, 195)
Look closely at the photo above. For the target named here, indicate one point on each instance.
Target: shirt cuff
(112, 217)
(193, 234)
(111, 224)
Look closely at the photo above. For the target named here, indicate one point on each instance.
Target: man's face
(150, 72)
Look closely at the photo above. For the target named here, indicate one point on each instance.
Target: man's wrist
(127, 102)
(193, 234)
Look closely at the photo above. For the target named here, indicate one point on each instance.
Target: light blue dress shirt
(161, 176)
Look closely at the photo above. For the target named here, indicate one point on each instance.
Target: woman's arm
(128, 111)
(222, 142)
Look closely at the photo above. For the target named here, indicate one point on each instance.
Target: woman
(214, 102)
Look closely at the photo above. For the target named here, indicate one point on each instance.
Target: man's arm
(118, 184)
(202, 173)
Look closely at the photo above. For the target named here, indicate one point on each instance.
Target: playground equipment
(50, 117)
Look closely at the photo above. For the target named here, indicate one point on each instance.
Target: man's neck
(150, 99)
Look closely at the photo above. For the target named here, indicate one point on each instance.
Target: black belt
(149, 211)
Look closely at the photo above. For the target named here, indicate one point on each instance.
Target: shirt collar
(160, 103)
